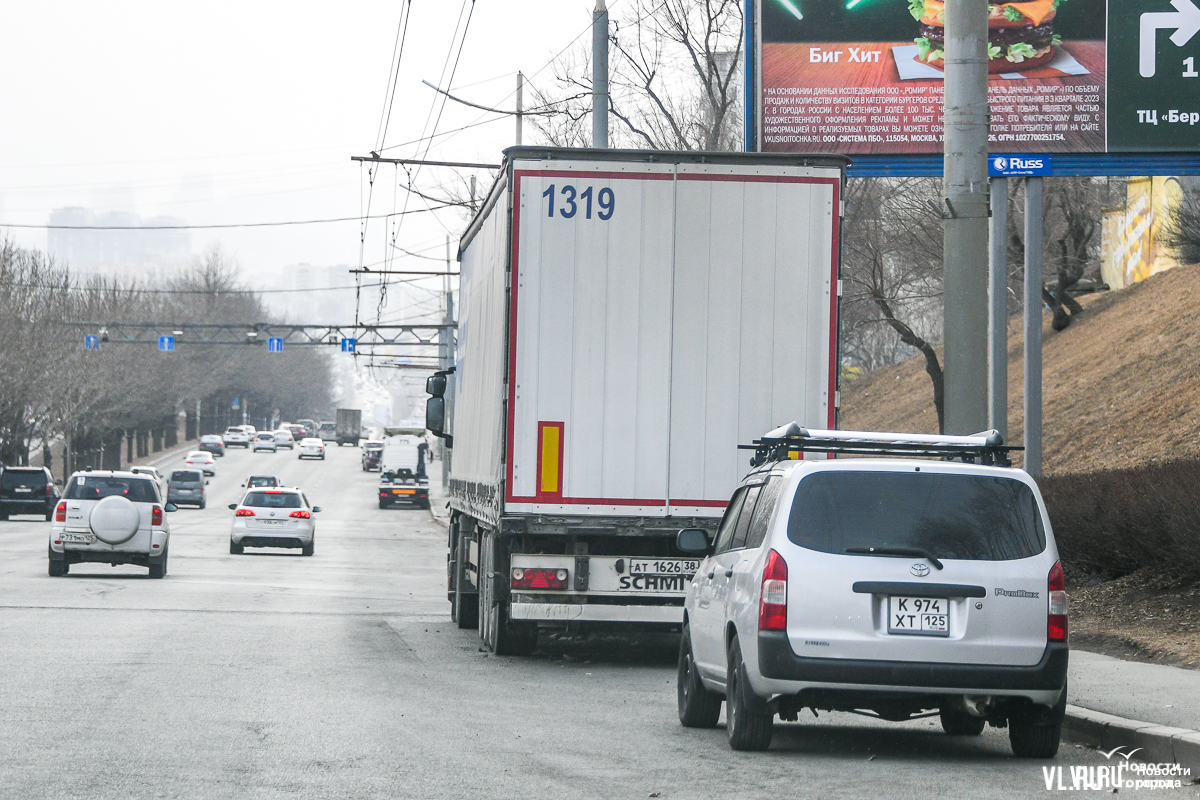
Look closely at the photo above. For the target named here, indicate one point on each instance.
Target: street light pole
(965, 250)
(600, 75)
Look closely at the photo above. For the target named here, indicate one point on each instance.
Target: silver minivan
(894, 587)
(186, 486)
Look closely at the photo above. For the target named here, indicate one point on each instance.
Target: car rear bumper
(31, 506)
(272, 541)
(778, 662)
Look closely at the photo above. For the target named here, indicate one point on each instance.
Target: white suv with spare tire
(892, 587)
(110, 517)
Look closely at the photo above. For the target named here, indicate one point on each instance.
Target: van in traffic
(187, 486)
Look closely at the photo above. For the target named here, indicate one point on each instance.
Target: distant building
(140, 252)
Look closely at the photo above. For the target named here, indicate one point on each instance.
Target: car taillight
(1056, 619)
(301, 514)
(60, 513)
(538, 578)
(49, 489)
(156, 515)
(772, 606)
(244, 512)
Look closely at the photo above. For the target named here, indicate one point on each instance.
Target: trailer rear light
(60, 513)
(538, 578)
(156, 515)
(244, 512)
(301, 514)
(1056, 619)
(772, 606)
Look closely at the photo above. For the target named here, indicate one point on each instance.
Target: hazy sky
(229, 112)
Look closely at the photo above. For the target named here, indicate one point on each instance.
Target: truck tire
(502, 637)
(698, 707)
(748, 727)
(464, 608)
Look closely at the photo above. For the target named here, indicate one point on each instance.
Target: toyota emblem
(919, 569)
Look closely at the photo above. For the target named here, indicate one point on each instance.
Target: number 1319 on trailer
(571, 201)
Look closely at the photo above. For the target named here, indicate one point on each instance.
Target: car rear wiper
(920, 552)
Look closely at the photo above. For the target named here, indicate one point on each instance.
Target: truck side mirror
(435, 385)
(692, 541)
(435, 414)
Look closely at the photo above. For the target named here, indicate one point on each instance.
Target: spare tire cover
(114, 520)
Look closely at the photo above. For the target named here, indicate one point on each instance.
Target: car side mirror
(170, 507)
(316, 509)
(435, 415)
(435, 385)
(58, 482)
(206, 483)
(692, 541)
(233, 506)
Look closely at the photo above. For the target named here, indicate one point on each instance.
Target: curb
(1158, 743)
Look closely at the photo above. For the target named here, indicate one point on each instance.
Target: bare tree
(1181, 231)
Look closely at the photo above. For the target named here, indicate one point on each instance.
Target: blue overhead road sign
(275, 345)
(348, 345)
(91, 342)
(1008, 166)
(166, 343)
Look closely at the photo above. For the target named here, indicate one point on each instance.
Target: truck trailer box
(627, 318)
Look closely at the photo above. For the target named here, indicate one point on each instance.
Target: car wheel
(203, 503)
(748, 727)
(49, 516)
(307, 550)
(4, 517)
(960, 723)
(235, 548)
(158, 566)
(1036, 731)
(698, 707)
(57, 568)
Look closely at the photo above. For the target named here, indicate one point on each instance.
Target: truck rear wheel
(499, 634)
(464, 606)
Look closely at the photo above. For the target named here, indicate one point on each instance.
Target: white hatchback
(201, 460)
(264, 441)
(283, 438)
(113, 518)
(890, 587)
(273, 517)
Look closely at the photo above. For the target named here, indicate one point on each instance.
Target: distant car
(213, 444)
(250, 430)
(110, 518)
(273, 518)
(327, 432)
(187, 486)
(298, 431)
(155, 474)
(406, 489)
(264, 441)
(283, 438)
(312, 447)
(27, 490)
(261, 482)
(201, 460)
(235, 437)
(310, 427)
(372, 452)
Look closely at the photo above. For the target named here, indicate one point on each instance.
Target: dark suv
(27, 490)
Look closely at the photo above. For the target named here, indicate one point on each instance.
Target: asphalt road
(271, 675)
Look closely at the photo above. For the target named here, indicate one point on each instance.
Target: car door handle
(729, 573)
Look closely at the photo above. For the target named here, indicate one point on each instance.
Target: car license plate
(271, 521)
(663, 566)
(919, 616)
(78, 538)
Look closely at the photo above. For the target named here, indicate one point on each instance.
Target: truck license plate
(919, 616)
(663, 566)
(78, 538)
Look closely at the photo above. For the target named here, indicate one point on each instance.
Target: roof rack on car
(986, 447)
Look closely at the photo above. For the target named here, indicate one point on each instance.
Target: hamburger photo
(1020, 35)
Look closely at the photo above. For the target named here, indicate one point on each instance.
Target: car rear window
(186, 476)
(90, 487)
(259, 480)
(970, 517)
(272, 500)
(11, 479)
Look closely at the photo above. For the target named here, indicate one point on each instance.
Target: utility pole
(965, 185)
(1033, 326)
(600, 76)
(998, 310)
(445, 362)
(520, 108)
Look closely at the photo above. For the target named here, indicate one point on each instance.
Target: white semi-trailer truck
(627, 318)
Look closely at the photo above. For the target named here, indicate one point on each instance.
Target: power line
(210, 227)
(394, 75)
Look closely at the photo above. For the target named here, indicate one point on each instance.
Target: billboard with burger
(1020, 35)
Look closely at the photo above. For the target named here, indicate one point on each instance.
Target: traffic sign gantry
(348, 345)
(274, 345)
(166, 343)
